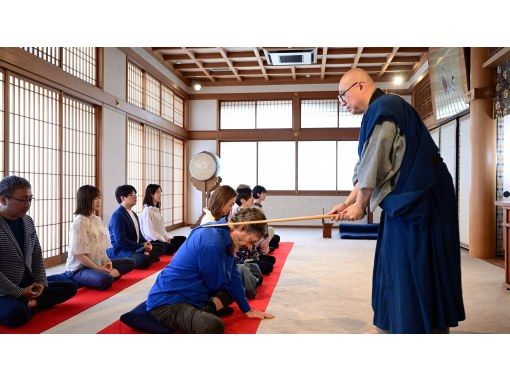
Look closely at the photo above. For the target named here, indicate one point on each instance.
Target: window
(322, 165)
(347, 157)
(258, 114)
(78, 61)
(49, 54)
(167, 178)
(135, 85)
(135, 160)
(147, 92)
(78, 156)
(327, 113)
(56, 155)
(317, 165)
(320, 113)
(34, 154)
(167, 103)
(178, 111)
(237, 115)
(153, 95)
(156, 157)
(274, 114)
(277, 165)
(178, 185)
(238, 163)
(348, 120)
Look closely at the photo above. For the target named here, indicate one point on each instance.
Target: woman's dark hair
(257, 190)
(84, 198)
(243, 192)
(219, 199)
(150, 190)
(123, 191)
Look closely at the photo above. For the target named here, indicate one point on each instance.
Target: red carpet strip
(84, 299)
(237, 323)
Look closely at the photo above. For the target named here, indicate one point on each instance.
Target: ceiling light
(197, 86)
(398, 80)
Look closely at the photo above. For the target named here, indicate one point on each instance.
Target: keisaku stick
(269, 221)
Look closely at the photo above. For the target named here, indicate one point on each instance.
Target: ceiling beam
(324, 58)
(198, 63)
(388, 61)
(229, 63)
(261, 64)
(356, 58)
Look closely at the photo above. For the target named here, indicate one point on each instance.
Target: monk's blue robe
(417, 277)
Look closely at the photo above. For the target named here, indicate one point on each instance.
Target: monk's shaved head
(355, 89)
(356, 75)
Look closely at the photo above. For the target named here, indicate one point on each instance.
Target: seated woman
(151, 222)
(272, 242)
(244, 199)
(220, 204)
(87, 262)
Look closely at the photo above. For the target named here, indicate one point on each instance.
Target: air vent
(291, 57)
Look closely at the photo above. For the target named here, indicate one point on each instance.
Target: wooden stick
(292, 219)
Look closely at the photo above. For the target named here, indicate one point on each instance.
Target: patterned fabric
(12, 262)
(502, 101)
(87, 235)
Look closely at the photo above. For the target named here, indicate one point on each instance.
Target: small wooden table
(506, 238)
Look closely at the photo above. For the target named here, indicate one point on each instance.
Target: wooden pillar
(482, 212)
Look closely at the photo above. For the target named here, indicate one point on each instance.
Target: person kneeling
(87, 262)
(201, 281)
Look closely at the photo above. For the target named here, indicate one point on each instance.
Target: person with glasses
(125, 235)
(24, 287)
(417, 277)
(87, 262)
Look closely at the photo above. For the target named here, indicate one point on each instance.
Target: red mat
(237, 323)
(84, 299)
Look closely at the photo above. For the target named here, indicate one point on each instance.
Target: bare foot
(115, 273)
(376, 330)
(32, 304)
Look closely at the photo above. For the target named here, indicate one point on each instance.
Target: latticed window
(52, 144)
(78, 61)
(135, 85)
(156, 157)
(152, 95)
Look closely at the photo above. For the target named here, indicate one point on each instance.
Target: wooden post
(482, 213)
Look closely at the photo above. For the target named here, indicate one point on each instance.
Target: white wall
(195, 196)
(113, 159)
(203, 115)
(115, 72)
(277, 206)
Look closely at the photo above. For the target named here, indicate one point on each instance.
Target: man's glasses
(22, 200)
(342, 94)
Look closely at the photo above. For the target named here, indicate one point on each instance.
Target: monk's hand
(352, 212)
(259, 314)
(338, 209)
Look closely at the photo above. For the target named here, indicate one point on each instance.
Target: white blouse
(207, 218)
(151, 223)
(87, 236)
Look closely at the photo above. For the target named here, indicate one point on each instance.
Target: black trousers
(169, 248)
(15, 312)
(184, 318)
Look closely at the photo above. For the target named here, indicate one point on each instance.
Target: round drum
(204, 166)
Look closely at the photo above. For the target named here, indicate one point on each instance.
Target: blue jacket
(201, 267)
(123, 235)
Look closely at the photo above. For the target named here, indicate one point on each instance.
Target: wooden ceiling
(219, 66)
